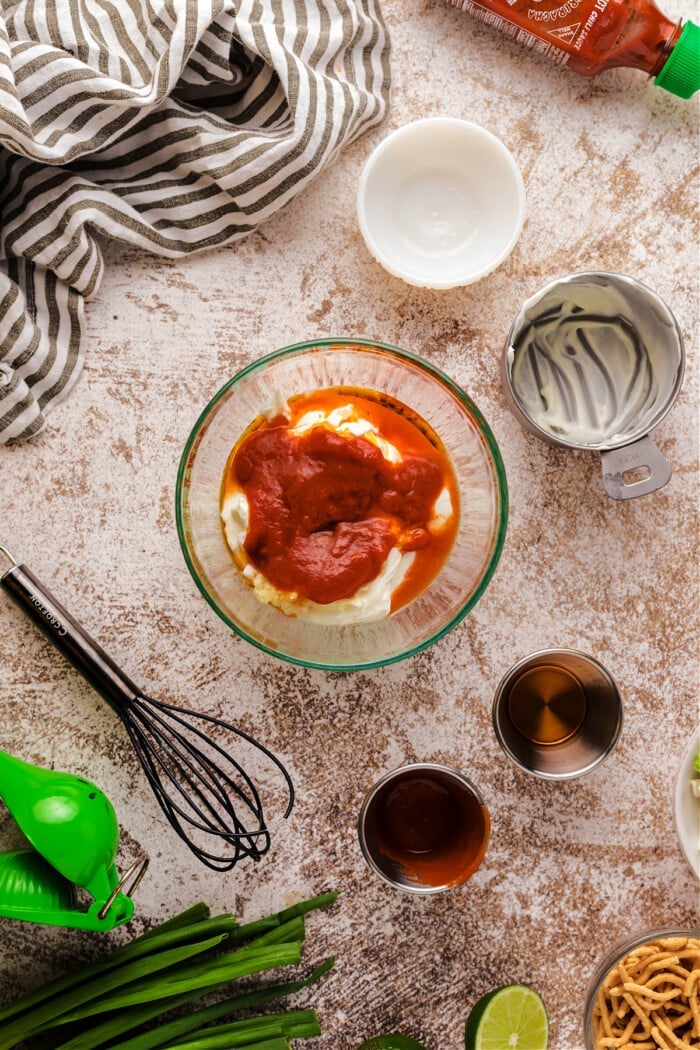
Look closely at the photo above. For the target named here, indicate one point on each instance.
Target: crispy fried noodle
(649, 999)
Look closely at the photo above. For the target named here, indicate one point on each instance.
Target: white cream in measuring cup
(594, 361)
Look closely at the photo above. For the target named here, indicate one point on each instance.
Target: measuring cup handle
(642, 454)
(69, 637)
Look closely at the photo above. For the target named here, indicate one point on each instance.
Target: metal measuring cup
(424, 828)
(594, 361)
(557, 714)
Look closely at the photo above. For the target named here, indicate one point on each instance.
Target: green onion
(127, 1020)
(200, 978)
(190, 925)
(52, 1012)
(294, 930)
(168, 967)
(302, 908)
(295, 1024)
(191, 916)
(267, 1044)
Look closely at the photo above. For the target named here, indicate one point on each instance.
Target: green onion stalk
(134, 997)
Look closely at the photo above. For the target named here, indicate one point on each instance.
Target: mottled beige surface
(609, 171)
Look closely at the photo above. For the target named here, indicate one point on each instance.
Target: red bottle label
(586, 35)
(559, 29)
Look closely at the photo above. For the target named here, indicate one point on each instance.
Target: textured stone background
(610, 173)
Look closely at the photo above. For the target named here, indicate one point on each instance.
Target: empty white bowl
(441, 203)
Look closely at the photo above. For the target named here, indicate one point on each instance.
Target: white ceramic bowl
(687, 807)
(441, 203)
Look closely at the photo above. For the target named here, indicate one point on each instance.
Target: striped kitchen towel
(173, 125)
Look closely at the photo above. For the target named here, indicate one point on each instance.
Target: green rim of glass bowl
(489, 439)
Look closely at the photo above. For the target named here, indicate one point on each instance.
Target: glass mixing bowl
(468, 441)
(610, 960)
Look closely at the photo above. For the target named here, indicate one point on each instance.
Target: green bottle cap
(681, 72)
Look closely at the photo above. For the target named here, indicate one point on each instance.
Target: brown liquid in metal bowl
(432, 826)
(547, 705)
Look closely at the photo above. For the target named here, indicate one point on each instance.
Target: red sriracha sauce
(589, 36)
(326, 506)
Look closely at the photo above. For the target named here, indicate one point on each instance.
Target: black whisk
(205, 793)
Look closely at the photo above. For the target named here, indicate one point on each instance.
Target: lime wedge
(393, 1041)
(509, 1018)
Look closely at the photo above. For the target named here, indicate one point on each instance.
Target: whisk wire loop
(194, 793)
(175, 714)
(181, 821)
(168, 743)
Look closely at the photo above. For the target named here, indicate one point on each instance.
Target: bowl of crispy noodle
(645, 993)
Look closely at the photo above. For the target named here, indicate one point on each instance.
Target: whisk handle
(82, 651)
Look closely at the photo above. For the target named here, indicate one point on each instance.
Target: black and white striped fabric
(173, 125)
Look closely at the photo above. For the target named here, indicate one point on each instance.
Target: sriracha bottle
(591, 35)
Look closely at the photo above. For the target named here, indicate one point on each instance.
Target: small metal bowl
(574, 694)
(456, 853)
(594, 361)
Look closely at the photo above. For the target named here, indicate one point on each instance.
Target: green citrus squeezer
(73, 837)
